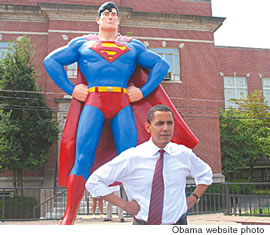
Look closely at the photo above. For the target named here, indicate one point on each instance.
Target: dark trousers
(181, 221)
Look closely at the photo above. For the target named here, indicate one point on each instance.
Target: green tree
(27, 125)
(245, 133)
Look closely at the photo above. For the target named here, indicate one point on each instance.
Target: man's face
(161, 128)
(108, 20)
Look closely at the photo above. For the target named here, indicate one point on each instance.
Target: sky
(247, 23)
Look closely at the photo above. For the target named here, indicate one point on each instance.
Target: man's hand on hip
(132, 207)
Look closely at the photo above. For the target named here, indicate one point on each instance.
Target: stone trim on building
(45, 12)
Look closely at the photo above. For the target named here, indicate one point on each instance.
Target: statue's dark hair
(107, 6)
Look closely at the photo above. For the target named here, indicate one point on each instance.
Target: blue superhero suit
(107, 67)
(104, 64)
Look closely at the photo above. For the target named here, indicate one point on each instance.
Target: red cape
(106, 149)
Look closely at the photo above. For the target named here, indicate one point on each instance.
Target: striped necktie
(157, 194)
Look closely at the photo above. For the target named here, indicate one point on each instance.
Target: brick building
(180, 30)
(242, 70)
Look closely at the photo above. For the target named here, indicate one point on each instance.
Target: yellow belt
(107, 89)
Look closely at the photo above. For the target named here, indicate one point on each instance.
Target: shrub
(17, 208)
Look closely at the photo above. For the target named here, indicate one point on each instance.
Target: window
(3, 48)
(234, 87)
(266, 89)
(172, 57)
(72, 70)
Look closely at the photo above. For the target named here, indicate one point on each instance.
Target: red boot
(75, 191)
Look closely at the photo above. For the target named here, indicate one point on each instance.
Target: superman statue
(106, 65)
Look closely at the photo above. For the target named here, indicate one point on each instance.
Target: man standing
(107, 61)
(154, 175)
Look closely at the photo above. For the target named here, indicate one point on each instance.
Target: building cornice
(172, 21)
(45, 12)
(74, 12)
(243, 48)
(21, 13)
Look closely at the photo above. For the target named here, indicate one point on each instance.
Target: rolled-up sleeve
(110, 172)
(200, 171)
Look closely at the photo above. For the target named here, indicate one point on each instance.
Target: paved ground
(220, 218)
(205, 219)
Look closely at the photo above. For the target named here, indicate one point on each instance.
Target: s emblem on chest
(110, 51)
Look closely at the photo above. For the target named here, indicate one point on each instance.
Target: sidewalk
(221, 219)
(204, 219)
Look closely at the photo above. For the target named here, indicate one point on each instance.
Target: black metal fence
(246, 199)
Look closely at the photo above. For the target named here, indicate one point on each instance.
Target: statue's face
(108, 20)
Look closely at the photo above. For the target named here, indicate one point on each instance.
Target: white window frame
(173, 74)
(237, 89)
(3, 48)
(266, 89)
(72, 70)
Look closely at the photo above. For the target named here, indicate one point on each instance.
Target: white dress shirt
(134, 168)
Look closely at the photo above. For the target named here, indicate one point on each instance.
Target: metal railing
(245, 199)
(250, 199)
(17, 203)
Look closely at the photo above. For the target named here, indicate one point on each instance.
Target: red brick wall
(195, 98)
(243, 61)
(171, 6)
(167, 33)
(198, 95)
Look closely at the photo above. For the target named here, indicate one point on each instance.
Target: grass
(258, 212)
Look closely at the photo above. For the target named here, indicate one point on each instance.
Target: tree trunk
(18, 182)
(14, 178)
(250, 178)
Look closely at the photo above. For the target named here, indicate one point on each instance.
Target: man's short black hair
(107, 6)
(159, 107)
